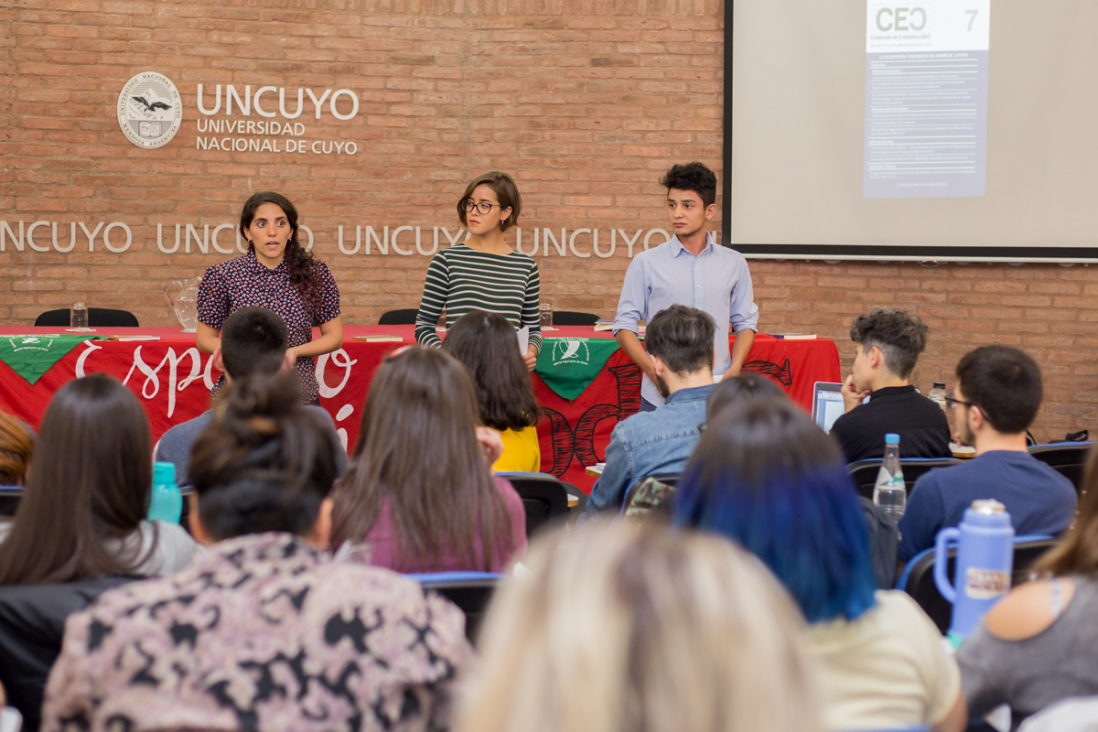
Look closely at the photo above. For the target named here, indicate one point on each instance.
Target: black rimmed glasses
(953, 402)
(483, 207)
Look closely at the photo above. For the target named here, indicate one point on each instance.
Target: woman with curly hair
(279, 274)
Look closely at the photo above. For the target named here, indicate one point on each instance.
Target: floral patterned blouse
(244, 281)
(263, 633)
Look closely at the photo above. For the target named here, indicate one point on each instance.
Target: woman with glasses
(484, 272)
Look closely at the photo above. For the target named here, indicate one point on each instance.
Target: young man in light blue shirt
(689, 269)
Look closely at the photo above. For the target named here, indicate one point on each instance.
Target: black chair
(10, 495)
(97, 318)
(918, 578)
(544, 497)
(1069, 459)
(399, 317)
(470, 591)
(570, 317)
(865, 472)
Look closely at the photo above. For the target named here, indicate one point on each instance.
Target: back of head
(692, 177)
(253, 341)
(16, 451)
(622, 628)
(682, 338)
(485, 343)
(94, 458)
(265, 463)
(765, 476)
(417, 452)
(900, 336)
(739, 389)
(1005, 383)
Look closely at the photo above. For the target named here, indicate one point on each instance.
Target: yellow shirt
(521, 452)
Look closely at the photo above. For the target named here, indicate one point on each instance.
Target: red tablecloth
(173, 381)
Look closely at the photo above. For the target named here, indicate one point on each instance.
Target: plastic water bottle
(890, 493)
(166, 502)
(938, 394)
(985, 560)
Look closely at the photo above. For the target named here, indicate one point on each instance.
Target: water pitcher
(182, 295)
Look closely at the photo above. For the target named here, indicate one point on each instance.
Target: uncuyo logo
(149, 110)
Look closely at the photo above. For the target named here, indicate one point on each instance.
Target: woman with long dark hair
(485, 344)
(1038, 645)
(79, 529)
(281, 275)
(484, 272)
(768, 478)
(419, 494)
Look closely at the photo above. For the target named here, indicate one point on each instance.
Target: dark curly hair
(900, 336)
(692, 177)
(299, 261)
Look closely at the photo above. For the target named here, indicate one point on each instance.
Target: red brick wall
(585, 102)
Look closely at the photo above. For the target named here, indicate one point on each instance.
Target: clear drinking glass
(546, 316)
(78, 316)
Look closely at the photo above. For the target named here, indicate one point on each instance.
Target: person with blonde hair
(623, 627)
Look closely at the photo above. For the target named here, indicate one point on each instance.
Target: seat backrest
(864, 472)
(918, 577)
(470, 591)
(571, 317)
(97, 318)
(399, 317)
(10, 495)
(543, 496)
(1069, 459)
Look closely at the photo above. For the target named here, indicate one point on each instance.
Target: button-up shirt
(245, 281)
(717, 281)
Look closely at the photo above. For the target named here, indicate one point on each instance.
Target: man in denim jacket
(679, 341)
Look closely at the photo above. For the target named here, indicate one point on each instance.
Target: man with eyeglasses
(689, 269)
(996, 399)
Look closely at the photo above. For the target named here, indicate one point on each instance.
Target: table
(173, 381)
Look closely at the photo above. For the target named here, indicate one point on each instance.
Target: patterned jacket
(262, 633)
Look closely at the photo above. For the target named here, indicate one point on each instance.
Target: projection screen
(911, 129)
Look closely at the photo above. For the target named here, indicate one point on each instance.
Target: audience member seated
(679, 340)
(765, 476)
(1039, 644)
(265, 631)
(887, 345)
(419, 495)
(80, 528)
(486, 344)
(623, 628)
(16, 450)
(254, 340)
(997, 397)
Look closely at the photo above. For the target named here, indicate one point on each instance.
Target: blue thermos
(166, 502)
(985, 559)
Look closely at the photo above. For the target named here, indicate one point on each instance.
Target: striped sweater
(462, 279)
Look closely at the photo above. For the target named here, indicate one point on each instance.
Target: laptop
(827, 403)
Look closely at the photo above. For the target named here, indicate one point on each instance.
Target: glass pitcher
(182, 295)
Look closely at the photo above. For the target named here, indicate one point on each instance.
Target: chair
(570, 317)
(1069, 459)
(865, 472)
(399, 317)
(470, 591)
(543, 496)
(97, 318)
(10, 495)
(918, 577)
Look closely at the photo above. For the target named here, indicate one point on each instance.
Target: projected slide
(912, 129)
(926, 72)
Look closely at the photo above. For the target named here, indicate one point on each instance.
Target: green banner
(569, 365)
(30, 356)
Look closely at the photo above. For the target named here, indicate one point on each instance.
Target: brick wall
(585, 102)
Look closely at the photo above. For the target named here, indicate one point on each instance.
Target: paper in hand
(524, 339)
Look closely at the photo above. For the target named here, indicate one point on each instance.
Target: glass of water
(546, 316)
(78, 316)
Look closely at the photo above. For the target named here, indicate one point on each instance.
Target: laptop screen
(828, 404)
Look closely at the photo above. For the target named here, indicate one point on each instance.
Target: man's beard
(662, 386)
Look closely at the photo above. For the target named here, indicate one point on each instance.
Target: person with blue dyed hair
(768, 478)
